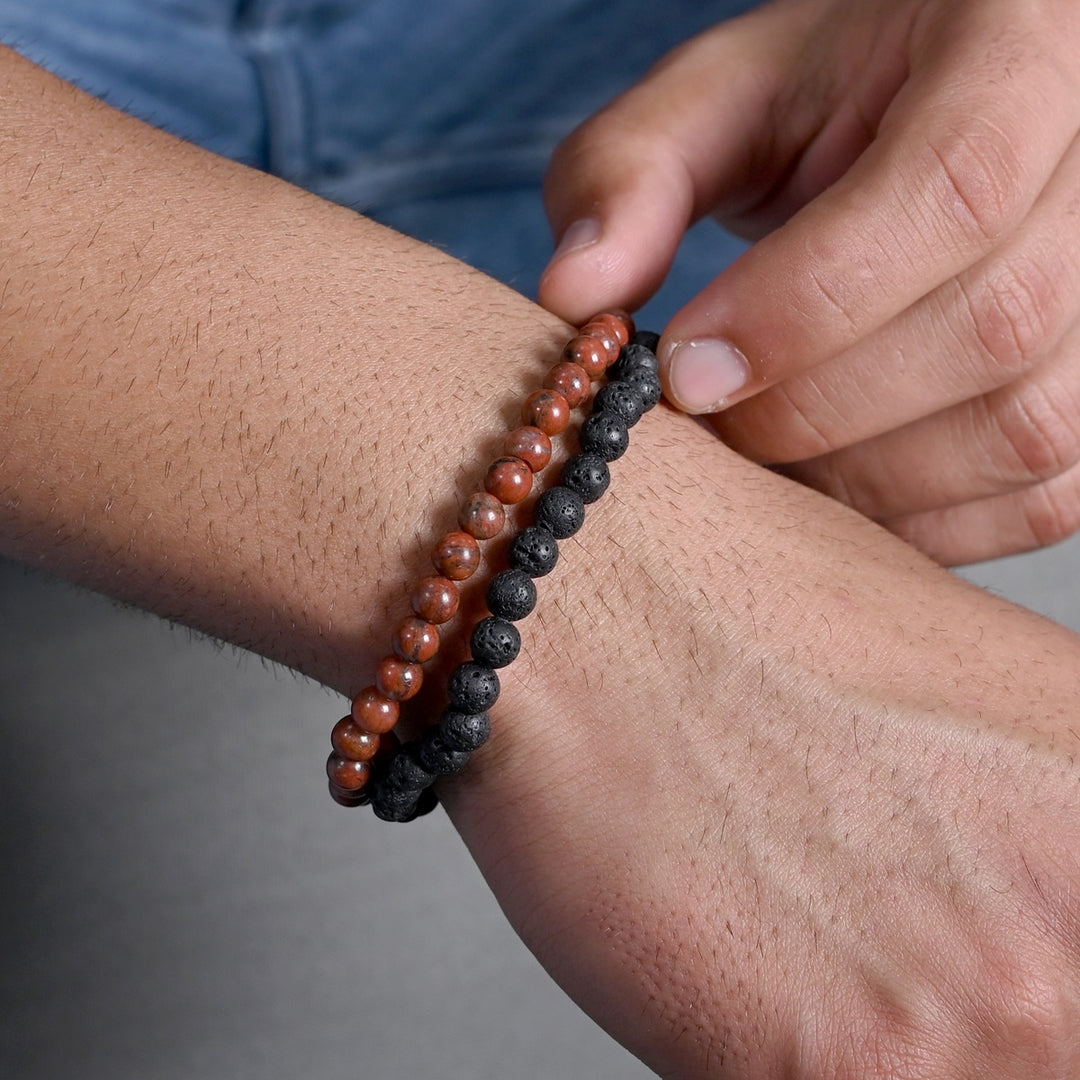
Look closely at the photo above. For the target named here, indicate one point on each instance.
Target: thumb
(619, 204)
(623, 188)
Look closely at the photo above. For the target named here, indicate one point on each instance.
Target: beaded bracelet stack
(367, 764)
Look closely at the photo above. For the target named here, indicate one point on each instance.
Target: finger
(960, 158)
(1014, 438)
(977, 332)
(623, 188)
(1020, 521)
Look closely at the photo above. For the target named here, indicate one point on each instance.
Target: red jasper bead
(621, 322)
(548, 410)
(482, 515)
(571, 380)
(347, 798)
(373, 711)
(352, 742)
(588, 352)
(509, 479)
(531, 445)
(416, 640)
(457, 556)
(346, 774)
(436, 599)
(602, 332)
(397, 679)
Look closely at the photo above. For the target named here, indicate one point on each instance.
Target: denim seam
(272, 50)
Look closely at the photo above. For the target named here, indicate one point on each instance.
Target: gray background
(182, 899)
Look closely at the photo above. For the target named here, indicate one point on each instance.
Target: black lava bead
(647, 384)
(473, 687)
(634, 358)
(646, 338)
(621, 399)
(605, 434)
(511, 595)
(495, 642)
(439, 758)
(392, 803)
(535, 551)
(405, 771)
(588, 475)
(561, 511)
(464, 731)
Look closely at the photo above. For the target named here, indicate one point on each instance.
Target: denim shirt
(437, 117)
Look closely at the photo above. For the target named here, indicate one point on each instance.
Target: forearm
(240, 405)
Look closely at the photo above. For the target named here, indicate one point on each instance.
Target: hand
(771, 795)
(904, 334)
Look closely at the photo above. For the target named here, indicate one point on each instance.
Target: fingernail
(704, 375)
(580, 234)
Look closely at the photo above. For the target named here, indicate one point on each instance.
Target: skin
(770, 794)
(907, 319)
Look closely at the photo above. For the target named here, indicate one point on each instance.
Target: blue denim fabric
(171, 62)
(437, 118)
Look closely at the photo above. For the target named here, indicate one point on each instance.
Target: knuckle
(794, 421)
(828, 291)
(1020, 1019)
(1040, 435)
(572, 148)
(797, 419)
(1015, 313)
(1051, 513)
(603, 137)
(1030, 1014)
(688, 52)
(977, 175)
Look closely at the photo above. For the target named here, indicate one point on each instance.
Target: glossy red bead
(436, 599)
(531, 445)
(509, 479)
(457, 556)
(571, 380)
(416, 640)
(589, 353)
(482, 515)
(373, 711)
(351, 741)
(346, 774)
(397, 679)
(548, 410)
(603, 333)
(621, 322)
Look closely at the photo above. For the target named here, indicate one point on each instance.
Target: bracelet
(366, 764)
(403, 792)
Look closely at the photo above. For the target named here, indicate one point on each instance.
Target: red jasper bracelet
(363, 742)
